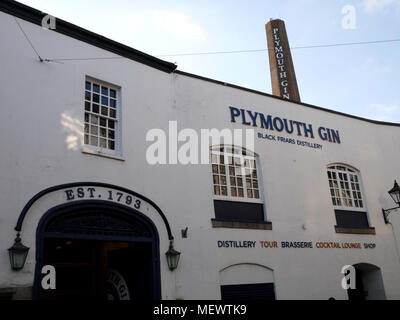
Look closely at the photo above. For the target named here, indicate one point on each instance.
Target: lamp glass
(18, 253)
(172, 258)
(395, 193)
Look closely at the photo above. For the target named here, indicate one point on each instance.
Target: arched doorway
(247, 281)
(369, 283)
(100, 250)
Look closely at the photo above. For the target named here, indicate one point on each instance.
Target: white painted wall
(41, 134)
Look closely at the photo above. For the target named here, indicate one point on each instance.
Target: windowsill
(86, 150)
(370, 230)
(266, 225)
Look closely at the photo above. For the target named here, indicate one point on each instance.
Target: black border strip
(35, 16)
(191, 75)
(24, 211)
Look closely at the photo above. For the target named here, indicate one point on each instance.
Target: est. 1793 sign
(83, 193)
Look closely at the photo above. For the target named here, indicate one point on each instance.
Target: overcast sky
(361, 80)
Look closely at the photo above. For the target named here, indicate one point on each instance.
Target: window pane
(103, 122)
(249, 193)
(104, 111)
(96, 98)
(233, 192)
(248, 183)
(103, 143)
(113, 93)
(216, 179)
(87, 95)
(95, 108)
(113, 103)
(93, 130)
(88, 86)
(256, 194)
(215, 168)
(213, 158)
(111, 134)
(224, 191)
(96, 88)
(86, 139)
(87, 106)
(86, 117)
(93, 141)
(94, 119)
(223, 180)
(103, 132)
(104, 101)
(240, 192)
(111, 145)
(104, 90)
(240, 182)
(233, 183)
(111, 124)
(216, 190)
(255, 184)
(222, 169)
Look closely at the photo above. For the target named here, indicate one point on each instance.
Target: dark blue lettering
(70, 194)
(244, 118)
(235, 112)
(298, 124)
(80, 192)
(280, 127)
(308, 130)
(322, 133)
(266, 124)
(253, 117)
(335, 136)
(91, 190)
(286, 126)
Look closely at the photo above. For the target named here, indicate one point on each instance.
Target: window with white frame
(235, 174)
(348, 201)
(101, 116)
(345, 189)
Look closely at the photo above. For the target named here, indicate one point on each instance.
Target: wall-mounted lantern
(172, 257)
(18, 253)
(395, 194)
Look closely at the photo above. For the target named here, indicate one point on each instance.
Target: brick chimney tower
(283, 77)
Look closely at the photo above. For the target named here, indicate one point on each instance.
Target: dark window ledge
(370, 230)
(265, 225)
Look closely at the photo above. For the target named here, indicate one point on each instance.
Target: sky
(361, 80)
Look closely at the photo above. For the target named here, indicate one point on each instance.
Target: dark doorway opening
(100, 270)
(369, 283)
(99, 251)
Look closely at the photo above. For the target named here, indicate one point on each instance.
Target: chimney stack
(283, 77)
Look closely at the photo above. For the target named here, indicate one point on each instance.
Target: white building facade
(78, 187)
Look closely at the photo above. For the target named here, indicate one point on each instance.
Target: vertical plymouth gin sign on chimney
(283, 77)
